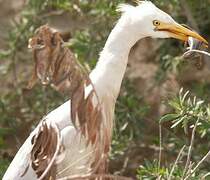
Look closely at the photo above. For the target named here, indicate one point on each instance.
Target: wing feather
(73, 140)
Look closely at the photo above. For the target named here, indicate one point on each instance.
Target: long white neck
(110, 69)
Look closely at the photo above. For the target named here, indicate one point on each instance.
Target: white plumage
(144, 20)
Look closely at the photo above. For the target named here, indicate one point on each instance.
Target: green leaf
(169, 117)
(182, 99)
(174, 104)
(177, 122)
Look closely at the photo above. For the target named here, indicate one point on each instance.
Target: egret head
(147, 20)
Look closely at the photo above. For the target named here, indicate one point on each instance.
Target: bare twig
(125, 164)
(198, 51)
(197, 166)
(14, 70)
(52, 13)
(160, 146)
(190, 148)
(95, 176)
(190, 167)
(204, 177)
(176, 162)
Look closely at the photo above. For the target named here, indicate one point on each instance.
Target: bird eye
(156, 23)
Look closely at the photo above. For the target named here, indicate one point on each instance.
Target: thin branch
(190, 148)
(204, 177)
(160, 146)
(197, 166)
(95, 176)
(176, 162)
(198, 51)
(52, 13)
(14, 70)
(190, 167)
(125, 164)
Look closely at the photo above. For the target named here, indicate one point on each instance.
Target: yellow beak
(180, 32)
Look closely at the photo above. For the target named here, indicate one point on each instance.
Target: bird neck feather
(110, 69)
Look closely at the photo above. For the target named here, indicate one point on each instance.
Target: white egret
(56, 149)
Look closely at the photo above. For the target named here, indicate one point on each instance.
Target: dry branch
(190, 148)
(176, 162)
